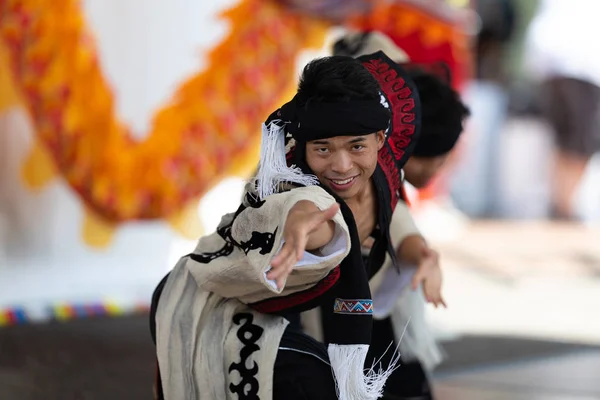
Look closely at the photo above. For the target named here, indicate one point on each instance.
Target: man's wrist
(412, 249)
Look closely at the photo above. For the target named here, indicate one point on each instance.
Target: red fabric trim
(277, 304)
(392, 175)
(404, 115)
(289, 155)
(403, 105)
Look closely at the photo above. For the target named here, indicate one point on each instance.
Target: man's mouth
(342, 184)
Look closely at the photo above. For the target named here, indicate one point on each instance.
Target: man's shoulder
(288, 188)
(284, 192)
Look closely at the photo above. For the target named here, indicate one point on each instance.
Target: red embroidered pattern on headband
(399, 95)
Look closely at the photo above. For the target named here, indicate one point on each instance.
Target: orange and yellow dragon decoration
(205, 132)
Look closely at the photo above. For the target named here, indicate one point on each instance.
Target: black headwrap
(320, 120)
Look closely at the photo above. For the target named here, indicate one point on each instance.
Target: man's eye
(322, 150)
(358, 147)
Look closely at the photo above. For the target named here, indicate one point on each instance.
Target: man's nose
(342, 163)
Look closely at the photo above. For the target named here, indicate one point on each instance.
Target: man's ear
(380, 139)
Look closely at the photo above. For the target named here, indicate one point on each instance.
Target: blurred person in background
(567, 69)
(475, 183)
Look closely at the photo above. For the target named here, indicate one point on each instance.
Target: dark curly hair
(336, 78)
(443, 114)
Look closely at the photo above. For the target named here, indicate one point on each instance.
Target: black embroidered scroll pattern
(227, 249)
(205, 258)
(253, 200)
(248, 334)
(260, 240)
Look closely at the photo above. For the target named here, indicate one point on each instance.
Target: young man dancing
(220, 318)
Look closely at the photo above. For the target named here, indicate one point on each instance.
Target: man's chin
(341, 193)
(345, 194)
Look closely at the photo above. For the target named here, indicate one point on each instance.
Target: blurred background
(127, 128)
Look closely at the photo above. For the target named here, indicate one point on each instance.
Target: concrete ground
(536, 286)
(113, 359)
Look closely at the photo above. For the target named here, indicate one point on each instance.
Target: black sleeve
(154, 306)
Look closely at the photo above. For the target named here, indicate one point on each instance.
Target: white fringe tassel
(352, 381)
(347, 363)
(273, 169)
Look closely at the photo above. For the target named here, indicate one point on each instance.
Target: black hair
(336, 78)
(443, 114)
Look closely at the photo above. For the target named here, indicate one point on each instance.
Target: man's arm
(307, 228)
(415, 251)
(324, 232)
(411, 249)
(259, 238)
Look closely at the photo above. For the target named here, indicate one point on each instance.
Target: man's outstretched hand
(306, 228)
(429, 274)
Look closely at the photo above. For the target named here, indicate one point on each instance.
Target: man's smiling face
(345, 164)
